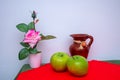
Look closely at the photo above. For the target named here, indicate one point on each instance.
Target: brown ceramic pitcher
(80, 46)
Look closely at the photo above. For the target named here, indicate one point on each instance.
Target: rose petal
(32, 37)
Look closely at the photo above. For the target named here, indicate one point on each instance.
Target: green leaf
(33, 51)
(47, 37)
(24, 44)
(22, 27)
(23, 53)
(31, 25)
(42, 36)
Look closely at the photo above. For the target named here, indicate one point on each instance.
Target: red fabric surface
(98, 70)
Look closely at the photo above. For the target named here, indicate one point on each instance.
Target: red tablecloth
(98, 70)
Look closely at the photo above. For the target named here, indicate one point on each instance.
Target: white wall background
(99, 18)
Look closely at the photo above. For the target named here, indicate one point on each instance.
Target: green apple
(59, 61)
(77, 65)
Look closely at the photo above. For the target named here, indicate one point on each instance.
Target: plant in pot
(30, 41)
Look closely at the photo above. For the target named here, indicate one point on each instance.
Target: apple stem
(75, 58)
(61, 55)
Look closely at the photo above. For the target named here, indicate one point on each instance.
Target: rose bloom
(32, 37)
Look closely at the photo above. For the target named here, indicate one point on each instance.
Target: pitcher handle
(91, 40)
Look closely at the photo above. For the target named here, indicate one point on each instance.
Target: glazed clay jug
(80, 46)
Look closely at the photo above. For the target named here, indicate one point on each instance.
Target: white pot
(35, 60)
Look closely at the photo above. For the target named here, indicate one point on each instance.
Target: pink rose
(32, 37)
